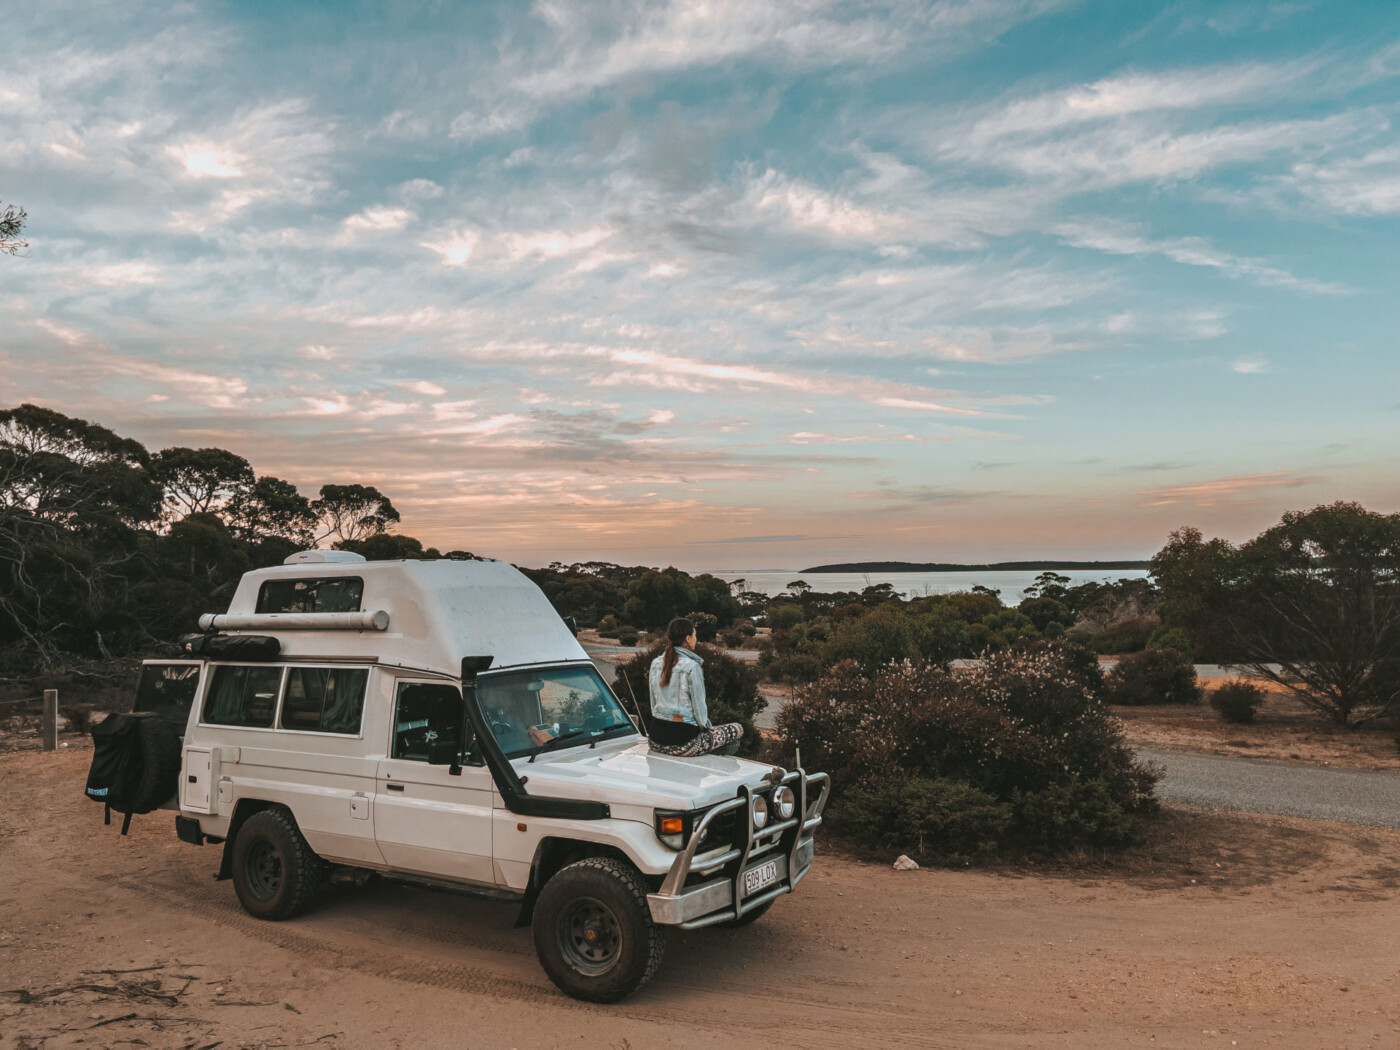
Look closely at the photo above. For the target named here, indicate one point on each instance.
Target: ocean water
(916, 584)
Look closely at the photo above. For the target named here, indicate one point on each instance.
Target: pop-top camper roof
(420, 614)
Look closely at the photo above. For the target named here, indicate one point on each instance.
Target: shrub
(1155, 676)
(79, 718)
(731, 689)
(797, 667)
(1171, 638)
(889, 634)
(1016, 753)
(783, 615)
(607, 626)
(706, 625)
(1237, 701)
(732, 637)
(928, 815)
(1125, 636)
(627, 635)
(746, 628)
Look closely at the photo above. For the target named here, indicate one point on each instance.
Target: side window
(324, 699)
(331, 594)
(168, 690)
(427, 713)
(242, 695)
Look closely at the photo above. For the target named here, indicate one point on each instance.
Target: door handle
(394, 787)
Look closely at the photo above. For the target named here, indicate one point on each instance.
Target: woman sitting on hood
(680, 723)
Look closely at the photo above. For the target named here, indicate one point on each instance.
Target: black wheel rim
(590, 937)
(262, 869)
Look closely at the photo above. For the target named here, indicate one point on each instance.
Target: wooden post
(50, 733)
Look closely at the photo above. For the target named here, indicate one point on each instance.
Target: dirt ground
(1221, 932)
(1283, 731)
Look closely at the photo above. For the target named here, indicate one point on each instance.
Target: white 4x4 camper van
(438, 721)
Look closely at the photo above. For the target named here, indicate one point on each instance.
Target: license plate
(757, 878)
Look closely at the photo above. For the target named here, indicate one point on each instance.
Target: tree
(272, 508)
(352, 512)
(389, 547)
(59, 469)
(1049, 585)
(201, 480)
(1044, 611)
(658, 597)
(72, 495)
(1312, 604)
(11, 225)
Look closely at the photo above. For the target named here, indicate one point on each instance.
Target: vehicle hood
(629, 773)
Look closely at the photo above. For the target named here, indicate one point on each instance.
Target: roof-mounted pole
(327, 621)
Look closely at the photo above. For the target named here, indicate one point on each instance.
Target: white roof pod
(420, 614)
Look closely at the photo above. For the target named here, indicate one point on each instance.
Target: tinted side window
(168, 690)
(334, 594)
(425, 714)
(324, 699)
(242, 696)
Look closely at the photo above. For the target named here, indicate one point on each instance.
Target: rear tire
(593, 930)
(275, 873)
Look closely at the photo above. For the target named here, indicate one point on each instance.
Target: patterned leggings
(721, 740)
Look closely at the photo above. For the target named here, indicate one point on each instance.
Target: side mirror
(572, 625)
(446, 753)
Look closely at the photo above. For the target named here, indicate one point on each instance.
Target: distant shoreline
(996, 566)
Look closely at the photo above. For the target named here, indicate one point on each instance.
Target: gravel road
(1353, 796)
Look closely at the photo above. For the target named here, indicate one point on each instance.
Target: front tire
(594, 933)
(275, 872)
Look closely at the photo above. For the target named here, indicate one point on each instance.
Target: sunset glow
(726, 285)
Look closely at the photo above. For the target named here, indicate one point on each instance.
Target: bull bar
(722, 899)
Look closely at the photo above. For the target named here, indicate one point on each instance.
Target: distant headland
(996, 566)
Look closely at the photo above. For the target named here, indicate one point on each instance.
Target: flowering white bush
(1016, 752)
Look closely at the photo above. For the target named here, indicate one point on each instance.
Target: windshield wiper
(599, 733)
(550, 745)
(574, 734)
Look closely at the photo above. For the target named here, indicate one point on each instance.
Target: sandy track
(1303, 957)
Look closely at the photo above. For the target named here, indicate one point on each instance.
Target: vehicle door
(427, 820)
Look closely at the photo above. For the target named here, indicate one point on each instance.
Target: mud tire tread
(598, 875)
(302, 869)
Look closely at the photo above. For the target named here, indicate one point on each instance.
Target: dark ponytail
(677, 631)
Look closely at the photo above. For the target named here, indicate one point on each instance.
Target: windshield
(528, 709)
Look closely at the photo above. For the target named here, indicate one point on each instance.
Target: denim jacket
(685, 695)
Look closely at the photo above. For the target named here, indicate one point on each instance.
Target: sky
(723, 284)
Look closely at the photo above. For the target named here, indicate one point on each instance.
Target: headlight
(760, 812)
(784, 803)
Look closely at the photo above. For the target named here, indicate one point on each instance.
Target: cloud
(648, 367)
(1250, 365)
(472, 247)
(1115, 238)
(921, 494)
(1212, 493)
(274, 152)
(809, 437)
(376, 220)
(1365, 185)
(1130, 94)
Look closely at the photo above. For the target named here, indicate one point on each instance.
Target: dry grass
(1284, 730)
